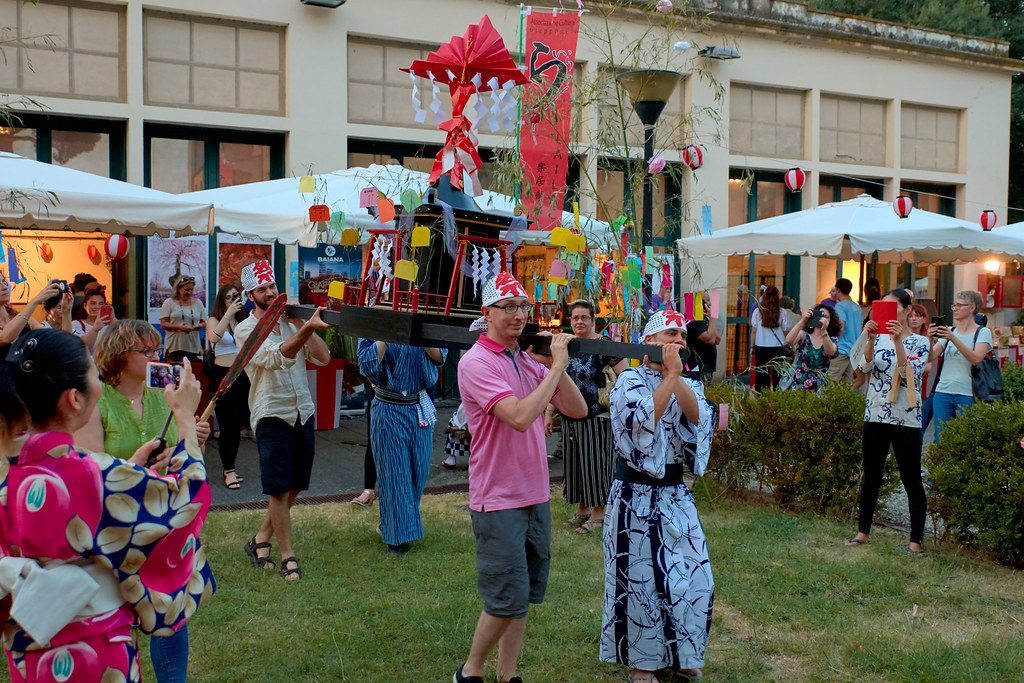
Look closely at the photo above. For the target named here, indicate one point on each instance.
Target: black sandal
(252, 549)
(285, 572)
(236, 484)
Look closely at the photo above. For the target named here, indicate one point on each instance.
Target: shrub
(1013, 382)
(805, 447)
(977, 471)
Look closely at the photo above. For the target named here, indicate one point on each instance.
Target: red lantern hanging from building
(903, 206)
(46, 252)
(693, 156)
(795, 179)
(988, 219)
(116, 247)
(93, 253)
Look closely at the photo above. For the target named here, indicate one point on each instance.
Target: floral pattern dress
(134, 531)
(810, 365)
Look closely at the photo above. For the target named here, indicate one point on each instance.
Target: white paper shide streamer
(417, 103)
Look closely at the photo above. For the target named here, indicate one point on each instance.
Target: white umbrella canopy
(34, 194)
(276, 210)
(860, 226)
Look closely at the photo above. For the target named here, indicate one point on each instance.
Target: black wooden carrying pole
(452, 332)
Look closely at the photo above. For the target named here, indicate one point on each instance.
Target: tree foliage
(1002, 19)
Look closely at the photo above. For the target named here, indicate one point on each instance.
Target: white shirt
(279, 386)
(768, 336)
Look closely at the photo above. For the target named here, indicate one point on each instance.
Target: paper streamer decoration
(713, 310)
(367, 197)
(385, 209)
(705, 219)
(420, 236)
(688, 305)
(420, 114)
(633, 272)
(538, 291)
(319, 213)
(336, 290)
(307, 184)
(653, 265)
(560, 237)
(407, 270)
(3, 256)
(350, 238)
(552, 291)
(337, 220)
(410, 200)
(723, 417)
(698, 306)
(559, 272)
(13, 272)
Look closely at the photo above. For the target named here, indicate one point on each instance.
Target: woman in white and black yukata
(659, 589)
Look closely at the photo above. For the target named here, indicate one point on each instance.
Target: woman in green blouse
(128, 413)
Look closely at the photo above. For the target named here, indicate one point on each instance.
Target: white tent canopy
(276, 210)
(860, 226)
(34, 194)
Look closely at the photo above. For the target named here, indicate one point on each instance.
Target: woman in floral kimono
(659, 589)
(91, 545)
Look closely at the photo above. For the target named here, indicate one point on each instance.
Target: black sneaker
(398, 550)
(457, 677)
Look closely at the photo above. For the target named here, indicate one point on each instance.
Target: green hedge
(1013, 382)
(977, 471)
(804, 446)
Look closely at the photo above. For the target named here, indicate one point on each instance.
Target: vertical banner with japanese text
(550, 56)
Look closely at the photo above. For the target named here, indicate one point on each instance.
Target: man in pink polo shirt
(504, 392)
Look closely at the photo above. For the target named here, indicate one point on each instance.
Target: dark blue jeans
(170, 656)
(947, 406)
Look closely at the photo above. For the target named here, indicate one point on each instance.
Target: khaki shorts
(513, 556)
(840, 369)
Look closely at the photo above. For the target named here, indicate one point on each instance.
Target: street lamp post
(649, 91)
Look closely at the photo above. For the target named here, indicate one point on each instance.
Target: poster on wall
(324, 263)
(31, 258)
(170, 257)
(233, 252)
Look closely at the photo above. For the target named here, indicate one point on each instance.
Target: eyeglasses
(581, 318)
(149, 353)
(510, 309)
(956, 306)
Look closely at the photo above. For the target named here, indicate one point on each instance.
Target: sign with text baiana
(323, 264)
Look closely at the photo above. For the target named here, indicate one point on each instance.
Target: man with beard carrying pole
(282, 414)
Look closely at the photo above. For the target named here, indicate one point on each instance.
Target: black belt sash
(395, 397)
(673, 473)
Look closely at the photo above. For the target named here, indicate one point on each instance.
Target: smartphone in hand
(107, 312)
(160, 375)
(939, 321)
(814, 322)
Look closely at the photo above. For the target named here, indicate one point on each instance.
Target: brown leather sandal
(286, 572)
(252, 549)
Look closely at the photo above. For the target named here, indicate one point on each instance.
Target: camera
(62, 285)
(815, 320)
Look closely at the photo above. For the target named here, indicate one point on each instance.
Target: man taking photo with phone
(282, 414)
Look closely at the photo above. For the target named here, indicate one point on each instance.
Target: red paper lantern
(46, 252)
(795, 179)
(693, 156)
(903, 206)
(319, 213)
(988, 219)
(116, 247)
(93, 252)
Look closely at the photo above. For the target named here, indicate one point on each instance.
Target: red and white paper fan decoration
(903, 206)
(116, 247)
(795, 179)
(693, 156)
(988, 219)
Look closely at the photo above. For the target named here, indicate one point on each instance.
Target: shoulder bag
(986, 377)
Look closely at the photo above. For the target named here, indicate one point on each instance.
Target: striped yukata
(401, 434)
(658, 587)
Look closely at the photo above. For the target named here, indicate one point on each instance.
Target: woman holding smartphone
(232, 409)
(960, 347)
(128, 414)
(894, 360)
(96, 315)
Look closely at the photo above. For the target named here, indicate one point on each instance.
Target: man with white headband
(504, 392)
(658, 589)
(282, 414)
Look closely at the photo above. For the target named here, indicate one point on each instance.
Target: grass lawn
(791, 604)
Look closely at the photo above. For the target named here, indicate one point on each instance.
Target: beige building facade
(184, 95)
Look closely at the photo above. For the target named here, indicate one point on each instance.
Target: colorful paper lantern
(988, 219)
(116, 247)
(93, 253)
(319, 213)
(903, 206)
(693, 156)
(46, 252)
(795, 179)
